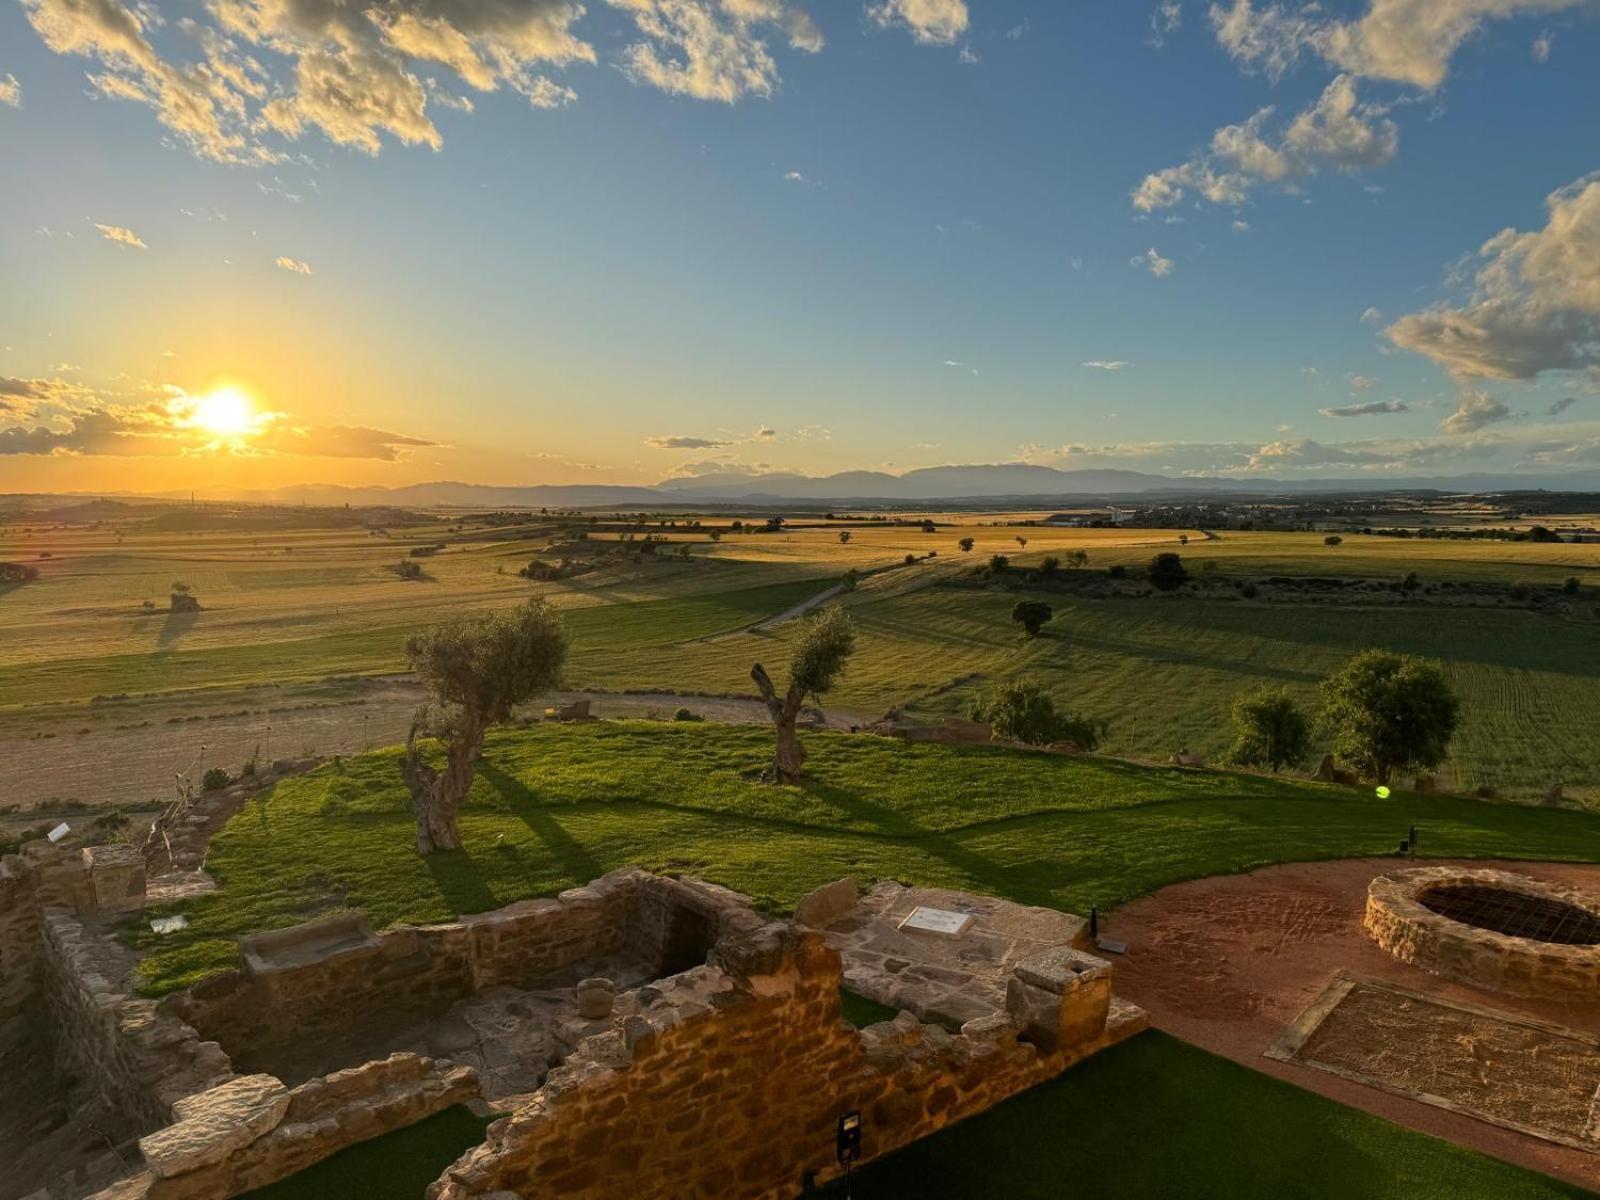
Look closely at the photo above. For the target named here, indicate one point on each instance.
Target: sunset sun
(226, 412)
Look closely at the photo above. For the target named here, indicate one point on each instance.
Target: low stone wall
(324, 981)
(19, 935)
(243, 1136)
(137, 1061)
(1399, 922)
(728, 1080)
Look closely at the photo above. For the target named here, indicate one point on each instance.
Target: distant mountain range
(1001, 482)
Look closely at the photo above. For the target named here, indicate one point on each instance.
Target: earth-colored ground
(1230, 962)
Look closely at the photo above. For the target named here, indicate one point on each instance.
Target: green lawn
(397, 1166)
(554, 806)
(1156, 1119)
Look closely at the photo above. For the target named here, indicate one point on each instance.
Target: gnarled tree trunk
(789, 760)
(437, 796)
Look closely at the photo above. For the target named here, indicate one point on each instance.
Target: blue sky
(707, 235)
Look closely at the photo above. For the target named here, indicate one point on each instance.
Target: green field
(305, 606)
(556, 806)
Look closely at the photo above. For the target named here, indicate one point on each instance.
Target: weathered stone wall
(728, 1083)
(232, 1140)
(137, 1061)
(1398, 921)
(19, 935)
(325, 981)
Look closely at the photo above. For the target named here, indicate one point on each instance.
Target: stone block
(213, 1124)
(116, 877)
(821, 908)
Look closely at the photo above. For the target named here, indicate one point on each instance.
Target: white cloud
(968, 56)
(710, 50)
(1338, 131)
(1372, 408)
(1360, 383)
(1401, 41)
(1241, 226)
(1542, 46)
(121, 235)
(931, 22)
(1372, 316)
(1534, 304)
(1473, 411)
(1152, 261)
(10, 91)
(294, 265)
(1105, 364)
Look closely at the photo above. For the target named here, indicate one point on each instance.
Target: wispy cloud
(1371, 408)
(295, 265)
(1151, 260)
(679, 441)
(121, 235)
(10, 91)
(1107, 364)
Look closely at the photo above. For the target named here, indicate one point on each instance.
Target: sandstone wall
(729, 1084)
(326, 981)
(19, 935)
(137, 1061)
(214, 1153)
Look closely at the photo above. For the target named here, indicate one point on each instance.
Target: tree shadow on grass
(892, 823)
(174, 627)
(460, 882)
(523, 803)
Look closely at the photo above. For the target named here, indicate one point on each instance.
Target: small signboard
(1110, 946)
(59, 832)
(937, 920)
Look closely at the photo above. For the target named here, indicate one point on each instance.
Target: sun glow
(226, 412)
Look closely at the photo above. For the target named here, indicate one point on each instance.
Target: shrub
(1048, 566)
(1166, 572)
(850, 579)
(1023, 711)
(685, 714)
(1031, 615)
(998, 563)
(910, 558)
(966, 545)
(1117, 572)
(1249, 591)
(214, 778)
(1269, 730)
(407, 569)
(1333, 539)
(1572, 585)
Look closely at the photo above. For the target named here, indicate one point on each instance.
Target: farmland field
(306, 608)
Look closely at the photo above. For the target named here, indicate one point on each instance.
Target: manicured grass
(555, 806)
(1156, 1119)
(397, 1166)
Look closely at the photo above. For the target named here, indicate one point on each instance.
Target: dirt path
(1230, 962)
(135, 766)
(799, 610)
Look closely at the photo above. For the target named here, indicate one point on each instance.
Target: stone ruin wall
(19, 935)
(254, 1132)
(416, 972)
(729, 1082)
(139, 1062)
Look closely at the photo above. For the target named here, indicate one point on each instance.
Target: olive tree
(1269, 730)
(825, 642)
(1389, 712)
(478, 669)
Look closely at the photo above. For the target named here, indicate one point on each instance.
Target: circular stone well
(1490, 928)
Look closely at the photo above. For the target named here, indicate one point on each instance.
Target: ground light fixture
(847, 1144)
